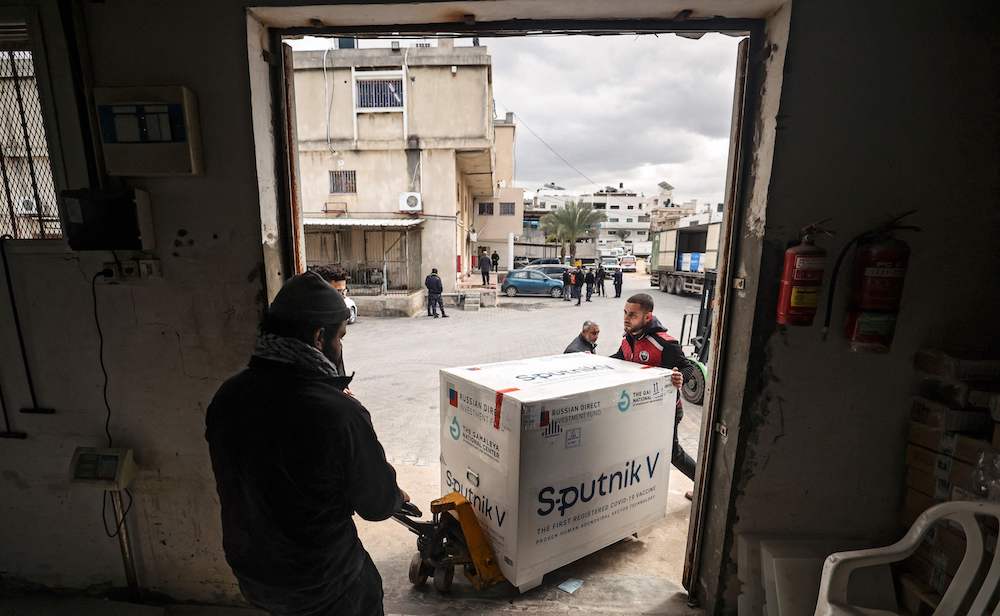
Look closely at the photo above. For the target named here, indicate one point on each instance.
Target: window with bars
(382, 93)
(28, 207)
(506, 209)
(485, 209)
(343, 182)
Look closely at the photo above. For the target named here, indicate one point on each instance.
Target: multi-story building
(628, 218)
(499, 219)
(396, 148)
(664, 212)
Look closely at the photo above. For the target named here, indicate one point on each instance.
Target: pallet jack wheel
(443, 577)
(417, 573)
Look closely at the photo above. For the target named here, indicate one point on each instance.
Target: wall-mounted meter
(110, 469)
(149, 131)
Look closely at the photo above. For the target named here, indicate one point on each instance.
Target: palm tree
(570, 223)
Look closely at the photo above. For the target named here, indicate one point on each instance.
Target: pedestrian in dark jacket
(601, 275)
(434, 291)
(618, 283)
(567, 279)
(578, 278)
(586, 342)
(646, 342)
(590, 280)
(295, 456)
(495, 258)
(484, 268)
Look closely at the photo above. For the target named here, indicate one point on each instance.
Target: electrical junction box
(105, 468)
(108, 220)
(560, 456)
(149, 131)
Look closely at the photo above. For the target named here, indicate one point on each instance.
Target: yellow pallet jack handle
(487, 571)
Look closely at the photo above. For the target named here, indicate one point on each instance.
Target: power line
(551, 149)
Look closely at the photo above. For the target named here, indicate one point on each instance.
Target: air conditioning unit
(410, 202)
(26, 207)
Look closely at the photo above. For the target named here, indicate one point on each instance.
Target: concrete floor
(401, 390)
(399, 385)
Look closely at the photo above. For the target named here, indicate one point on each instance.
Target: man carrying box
(646, 342)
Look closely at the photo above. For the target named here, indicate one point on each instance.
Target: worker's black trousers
(361, 597)
(486, 278)
(433, 302)
(679, 457)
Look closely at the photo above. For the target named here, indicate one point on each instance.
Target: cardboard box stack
(953, 440)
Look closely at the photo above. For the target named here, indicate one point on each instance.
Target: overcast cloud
(630, 109)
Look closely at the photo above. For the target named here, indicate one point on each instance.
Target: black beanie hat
(307, 297)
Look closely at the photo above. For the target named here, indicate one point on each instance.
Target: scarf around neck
(294, 352)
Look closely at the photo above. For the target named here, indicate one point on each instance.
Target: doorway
(734, 195)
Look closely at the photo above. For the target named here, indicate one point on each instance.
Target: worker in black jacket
(434, 291)
(646, 342)
(590, 280)
(567, 279)
(295, 456)
(618, 282)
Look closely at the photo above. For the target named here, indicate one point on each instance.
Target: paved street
(399, 385)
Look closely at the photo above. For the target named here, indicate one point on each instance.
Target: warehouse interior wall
(880, 110)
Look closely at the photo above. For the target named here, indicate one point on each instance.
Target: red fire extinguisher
(802, 278)
(877, 287)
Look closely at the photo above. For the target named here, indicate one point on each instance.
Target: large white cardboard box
(560, 456)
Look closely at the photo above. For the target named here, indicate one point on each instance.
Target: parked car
(552, 271)
(520, 262)
(531, 282)
(627, 263)
(610, 263)
(545, 261)
(353, 308)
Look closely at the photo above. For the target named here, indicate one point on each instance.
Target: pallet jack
(450, 539)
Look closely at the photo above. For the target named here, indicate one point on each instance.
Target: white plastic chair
(838, 567)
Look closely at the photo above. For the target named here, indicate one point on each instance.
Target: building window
(644, 219)
(642, 233)
(629, 220)
(28, 208)
(485, 209)
(599, 206)
(553, 207)
(718, 208)
(343, 182)
(383, 93)
(612, 220)
(631, 207)
(506, 209)
(615, 207)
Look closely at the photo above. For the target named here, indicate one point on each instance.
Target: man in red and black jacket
(646, 342)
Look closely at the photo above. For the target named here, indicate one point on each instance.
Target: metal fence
(28, 207)
(380, 93)
(377, 262)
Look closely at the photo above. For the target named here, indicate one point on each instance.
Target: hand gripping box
(560, 456)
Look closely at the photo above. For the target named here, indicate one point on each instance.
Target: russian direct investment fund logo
(624, 401)
(452, 396)
(455, 430)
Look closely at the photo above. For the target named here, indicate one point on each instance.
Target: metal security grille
(485, 209)
(343, 182)
(28, 208)
(506, 209)
(380, 93)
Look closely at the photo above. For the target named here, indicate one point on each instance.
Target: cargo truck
(681, 256)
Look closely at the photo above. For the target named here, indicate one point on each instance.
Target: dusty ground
(400, 388)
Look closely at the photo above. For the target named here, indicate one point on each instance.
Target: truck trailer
(681, 256)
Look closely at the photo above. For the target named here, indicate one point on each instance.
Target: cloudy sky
(632, 109)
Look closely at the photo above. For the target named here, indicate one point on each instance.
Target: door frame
(714, 488)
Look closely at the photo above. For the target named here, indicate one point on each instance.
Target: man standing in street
(434, 291)
(646, 342)
(600, 276)
(484, 268)
(295, 456)
(590, 280)
(567, 279)
(578, 278)
(618, 282)
(586, 342)
(495, 258)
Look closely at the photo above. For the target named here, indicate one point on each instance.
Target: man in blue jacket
(295, 456)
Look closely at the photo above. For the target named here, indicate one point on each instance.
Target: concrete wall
(504, 138)
(496, 227)
(877, 115)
